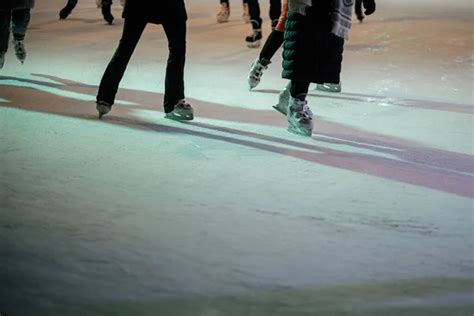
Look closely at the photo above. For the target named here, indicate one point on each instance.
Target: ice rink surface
(231, 215)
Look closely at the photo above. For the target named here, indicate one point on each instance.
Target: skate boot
(246, 13)
(256, 71)
(103, 108)
(329, 87)
(224, 14)
(108, 17)
(254, 39)
(274, 24)
(2, 60)
(20, 51)
(283, 100)
(64, 13)
(300, 117)
(182, 112)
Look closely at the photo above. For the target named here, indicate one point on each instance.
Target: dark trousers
(299, 89)
(73, 3)
(254, 11)
(17, 21)
(272, 44)
(174, 82)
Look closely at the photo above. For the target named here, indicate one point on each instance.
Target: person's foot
(254, 39)
(2, 59)
(182, 112)
(103, 108)
(246, 13)
(66, 11)
(20, 51)
(224, 14)
(106, 12)
(300, 117)
(329, 87)
(256, 72)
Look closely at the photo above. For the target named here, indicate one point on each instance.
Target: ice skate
(246, 13)
(254, 40)
(2, 60)
(103, 108)
(20, 51)
(256, 72)
(66, 11)
(300, 117)
(283, 100)
(108, 17)
(329, 87)
(224, 14)
(182, 112)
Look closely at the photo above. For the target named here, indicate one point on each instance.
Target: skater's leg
(358, 10)
(272, 44)
(132, 31)
(70, 5)
(20, 21)
(275, 11)
(5, 22)
(299, 116)
(224, 13)
(174, 82)
(254, 11)
(254, 39)
(106, 11)
(299, 89)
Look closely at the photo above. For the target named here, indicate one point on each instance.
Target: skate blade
(279, 110)
(176, 117)
(254, 44)
(300, 131)
(327, 89)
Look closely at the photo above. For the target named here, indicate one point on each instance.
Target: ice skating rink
(231, 215)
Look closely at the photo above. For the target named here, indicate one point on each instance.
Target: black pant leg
(225, 1)
(272, 44)
(174, 82)
(132, 31)
(299, 89)
(5, 21)
(275, 11)
(254, 11)
(20, 21)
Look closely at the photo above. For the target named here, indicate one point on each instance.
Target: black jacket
(311, 52)
(155, 11)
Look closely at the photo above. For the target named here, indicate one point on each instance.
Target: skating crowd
(312, 33)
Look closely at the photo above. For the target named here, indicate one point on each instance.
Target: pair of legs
(71, 4)
(174, 82)
(16, 22)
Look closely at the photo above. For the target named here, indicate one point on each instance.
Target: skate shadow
(335, 145)
(386, 101)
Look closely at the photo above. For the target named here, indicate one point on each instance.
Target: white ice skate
(182, 112)
(20, 51)
(103, 108)
(246, 13)
(300, 117)
(2, 60)
(256, 72)
(254, 39)
(283, 101)
(329, 87)
(224, 14)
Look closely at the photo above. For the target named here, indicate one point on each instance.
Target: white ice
(231, 214)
